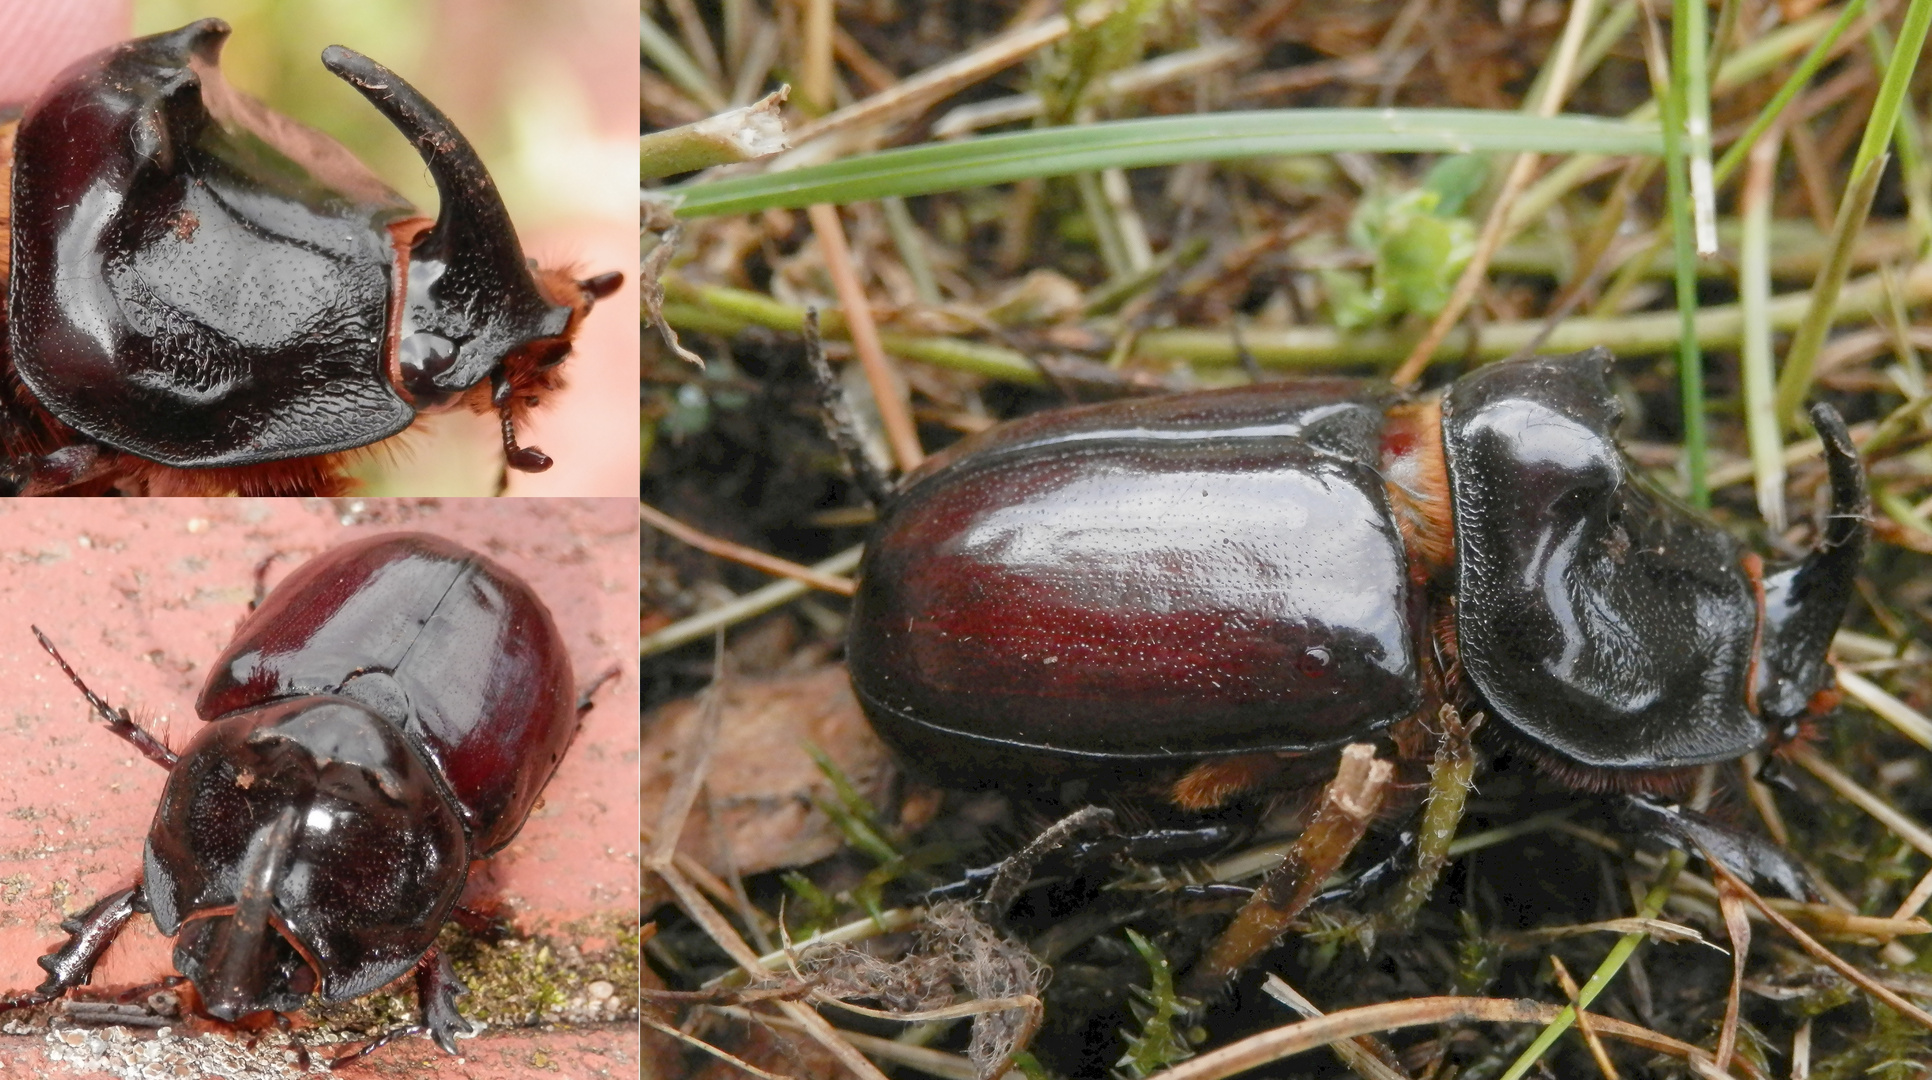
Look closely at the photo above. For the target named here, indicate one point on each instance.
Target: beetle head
(1804, 602)
(301, 848)
(475, 309)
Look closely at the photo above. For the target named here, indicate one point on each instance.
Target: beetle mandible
(207, 297)
(389, 714)
(1222, 582)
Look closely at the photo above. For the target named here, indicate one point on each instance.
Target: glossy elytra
(208, 297)
(386, 717)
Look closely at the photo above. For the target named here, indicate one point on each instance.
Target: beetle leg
(1000, 884)
(117, 720)
(1152, 844)
(261, 579)
(302, 1060)
(375, 1044)
(480, 924)
(437, 989)
(520, 458)
(589, 691)
(1348, 804)
(67, 467)
(88, 936)
(837, 413)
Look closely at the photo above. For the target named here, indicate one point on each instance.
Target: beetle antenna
(837, 413)
(520, 458)
(118, 721)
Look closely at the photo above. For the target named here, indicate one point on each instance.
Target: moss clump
(517, 982)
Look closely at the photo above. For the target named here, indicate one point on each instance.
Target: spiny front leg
(88, 936)
(117, 720)
(437, 989)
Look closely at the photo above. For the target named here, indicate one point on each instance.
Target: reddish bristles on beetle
(251, 309)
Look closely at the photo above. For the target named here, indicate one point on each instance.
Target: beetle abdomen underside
(1218, 574)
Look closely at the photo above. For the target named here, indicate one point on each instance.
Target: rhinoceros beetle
(387, 715)
(208, 297)
(1256, 574)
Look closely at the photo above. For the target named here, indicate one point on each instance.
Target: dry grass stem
(738, 553)
(1830, 959)
(887, 389)
(1367, 1055)
(744, 134)
(733, 1060)
(1496, 225)
(918, 92)
(1282, 1042)
(1916, 900)
(937, 1063)
(1738, 925)
(1910, 722)
(1585, 1024)
(748, 606)
(1655, 929)
(1908, 830)
(1348, 804)
(696, 763)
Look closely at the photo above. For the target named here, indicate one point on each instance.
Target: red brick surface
(141, 594)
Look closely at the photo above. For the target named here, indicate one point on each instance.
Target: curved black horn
(236, 978)
(1804, 602)
(469, 283)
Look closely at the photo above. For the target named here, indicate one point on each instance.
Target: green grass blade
(1690, 358)
(1898, 79)
(1691, 83)
(676, 65)
(1613, 963)
(1795, 382)
(1165, 140)
(1760, 375)
(1800, 77)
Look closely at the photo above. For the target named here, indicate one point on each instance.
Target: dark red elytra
(1283, 568)
(387, 716)
(206, 297)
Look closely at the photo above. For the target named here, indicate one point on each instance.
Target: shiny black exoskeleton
(206, 296)
(1277, 569)
(387, 716)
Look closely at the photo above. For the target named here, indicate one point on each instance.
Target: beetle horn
(241, 955)
(470, 291)
(1804, 602)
